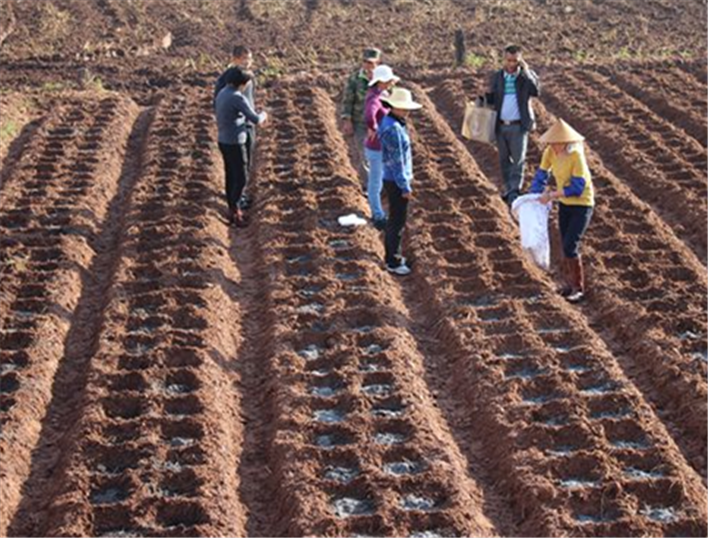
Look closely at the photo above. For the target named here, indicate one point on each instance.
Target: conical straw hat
(561, 133)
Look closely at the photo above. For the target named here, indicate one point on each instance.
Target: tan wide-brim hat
(561, 133)
(401, 98)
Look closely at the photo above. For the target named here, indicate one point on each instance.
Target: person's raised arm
(532, 77)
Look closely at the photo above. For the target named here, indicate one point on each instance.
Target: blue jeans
(375, 185)
(512, 141)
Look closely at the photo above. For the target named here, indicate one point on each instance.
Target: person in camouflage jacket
(353, 102)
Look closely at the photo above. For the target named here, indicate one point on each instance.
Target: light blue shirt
(510, 103)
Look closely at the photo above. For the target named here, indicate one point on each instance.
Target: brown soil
(163, 374)
(305, 34)
(632, 267)
(21, 116)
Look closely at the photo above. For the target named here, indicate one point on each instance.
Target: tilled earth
(163, 374)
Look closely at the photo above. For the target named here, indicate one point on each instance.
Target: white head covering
(383, 73)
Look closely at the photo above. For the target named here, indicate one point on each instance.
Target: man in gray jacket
(510, 93)
(233, 113)
(242, 57)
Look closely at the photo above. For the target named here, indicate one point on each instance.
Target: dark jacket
(527, 86)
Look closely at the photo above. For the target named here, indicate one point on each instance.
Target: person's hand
(371, 134)
(547, 196)
(524, 66)
(406, 195)
(347, 127)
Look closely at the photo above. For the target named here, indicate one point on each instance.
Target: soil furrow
(578, 425)
(355, 444)
(255, 477)
(696, 69)
(52, 224)
(154, 430)
(664, 145)
(663, 353)
(671, 186)
(686, 111)
(81, 339)
(164, 372)
(29, 136)
(673, 145)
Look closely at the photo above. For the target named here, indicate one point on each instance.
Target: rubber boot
(577, 280)
(567, 285)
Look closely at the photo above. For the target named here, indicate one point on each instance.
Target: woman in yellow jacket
(564, 159)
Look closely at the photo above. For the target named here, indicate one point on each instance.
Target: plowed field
(164, 374)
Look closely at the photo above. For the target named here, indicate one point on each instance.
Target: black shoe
(245, 202)
(380, 224)
(509, 197)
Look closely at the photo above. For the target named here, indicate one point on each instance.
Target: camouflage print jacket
(354, 97)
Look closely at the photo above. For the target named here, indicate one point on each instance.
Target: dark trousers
(397, 213)
(236, 171)
(573, 221)
(512, 142)
(251, 145)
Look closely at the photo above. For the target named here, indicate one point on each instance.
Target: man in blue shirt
(511, 90)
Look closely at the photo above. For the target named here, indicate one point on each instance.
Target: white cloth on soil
(533, 225)
(351, 220)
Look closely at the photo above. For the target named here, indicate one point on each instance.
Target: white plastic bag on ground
(351, 220)
(533, 224)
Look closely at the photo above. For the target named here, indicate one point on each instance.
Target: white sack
(533, 224)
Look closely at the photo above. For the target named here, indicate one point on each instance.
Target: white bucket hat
(401, 98)
(383, 73)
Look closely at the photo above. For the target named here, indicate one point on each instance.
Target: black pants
(573, 221)
(236, 171)
(397, 213)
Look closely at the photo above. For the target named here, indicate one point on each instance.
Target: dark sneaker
(245, 202)
(380, 224)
